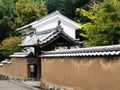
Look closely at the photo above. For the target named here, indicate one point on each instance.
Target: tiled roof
(20, 54)
(1, 65)
(90, 51)
(6, 61)
(46, 36)
(39, 20)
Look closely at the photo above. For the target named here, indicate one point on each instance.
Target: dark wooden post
(37, 53)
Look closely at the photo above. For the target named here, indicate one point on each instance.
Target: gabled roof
(45, 18)
(90, 51)
(46, 37)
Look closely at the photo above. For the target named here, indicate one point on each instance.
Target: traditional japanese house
(49, 40)
(52, 32)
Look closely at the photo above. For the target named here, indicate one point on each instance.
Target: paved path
(10, 85)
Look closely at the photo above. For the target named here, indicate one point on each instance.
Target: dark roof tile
(90, 51)
(41, 38)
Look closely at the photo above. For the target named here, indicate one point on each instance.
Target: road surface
(10, 85)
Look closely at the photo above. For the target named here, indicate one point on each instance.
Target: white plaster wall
(26, 39)
(28, 49)
(69, 29)
(46, 26)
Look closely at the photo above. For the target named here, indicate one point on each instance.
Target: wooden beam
(37, 53)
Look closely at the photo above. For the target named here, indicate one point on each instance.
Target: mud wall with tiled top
(19, 67)
(16, 69)
(83, 73)
(7, 69)
(1, 69)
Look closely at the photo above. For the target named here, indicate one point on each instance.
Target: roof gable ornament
(59, 22)
(38, 41)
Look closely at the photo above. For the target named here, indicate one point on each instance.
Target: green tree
(66, 7)
(104, 25)
(6, 14)
(14, 14)
(9, 46)
(26, 11)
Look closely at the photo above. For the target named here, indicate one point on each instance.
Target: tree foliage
(6, 14)
(104, 25)
(26, 11)
(66, 7)
(9, 46)
(14, 14)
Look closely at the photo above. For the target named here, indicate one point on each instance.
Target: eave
(49, 37)
(47, 18)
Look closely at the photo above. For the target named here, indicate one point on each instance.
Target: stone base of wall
(43, 85)
(5, 77)
(48, 86)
